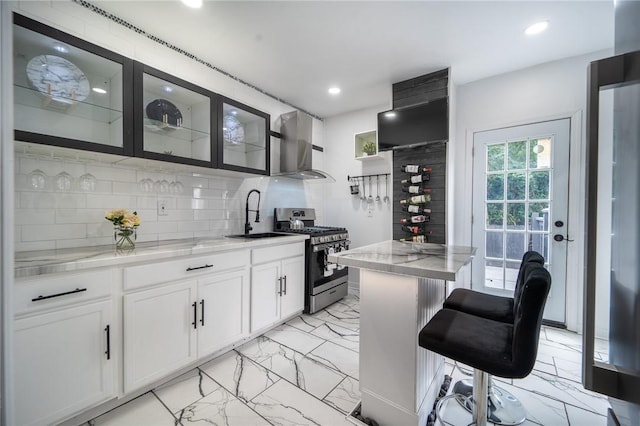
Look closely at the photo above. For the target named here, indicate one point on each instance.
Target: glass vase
(125, 237)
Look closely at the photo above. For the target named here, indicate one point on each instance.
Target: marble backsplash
(61, 202)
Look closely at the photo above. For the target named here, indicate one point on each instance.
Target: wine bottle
(412, 208)
(414, 168)
(417, 178)
(414, 229)
(415, 239)
(416, 189)
(417, 199)
(416, 219)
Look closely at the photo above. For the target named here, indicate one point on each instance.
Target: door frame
(576, 212)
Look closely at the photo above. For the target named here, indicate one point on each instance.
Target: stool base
(503, 408)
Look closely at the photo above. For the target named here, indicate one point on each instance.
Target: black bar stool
(493, 347)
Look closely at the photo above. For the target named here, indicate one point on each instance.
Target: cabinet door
(292, 300)
(60, 363)
(159, 333)
(223, 310)
(265, 296)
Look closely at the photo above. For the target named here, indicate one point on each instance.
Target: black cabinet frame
(127, 93)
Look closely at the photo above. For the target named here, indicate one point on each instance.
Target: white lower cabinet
(173, 325)
(62, 362)
(277, 287)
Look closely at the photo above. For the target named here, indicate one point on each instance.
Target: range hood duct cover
(296, 147)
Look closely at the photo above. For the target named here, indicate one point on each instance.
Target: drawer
(171, 270)
(268, 254)
(55, 290)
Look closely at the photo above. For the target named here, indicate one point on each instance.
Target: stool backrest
(529, 257)
(528, 317)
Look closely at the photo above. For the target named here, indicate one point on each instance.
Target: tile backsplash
(57, 209)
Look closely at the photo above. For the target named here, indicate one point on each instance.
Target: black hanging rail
(349, 178)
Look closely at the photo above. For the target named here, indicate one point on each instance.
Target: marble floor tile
(558, 350)
(185, 389)
(569, 369)
(563, 390)
(350, 339)
(145, 410)
(341, 359)
(578, 417)
(239, 375)
(345, 308)
(305, 323)
(220, 408)
(285, 404)
(345, 396)
(338, 319)
(294, 338)
(563, 336)
(545, 367)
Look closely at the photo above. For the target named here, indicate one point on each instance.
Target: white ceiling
(296, 50)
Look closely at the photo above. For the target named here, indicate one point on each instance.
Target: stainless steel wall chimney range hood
(296, 148)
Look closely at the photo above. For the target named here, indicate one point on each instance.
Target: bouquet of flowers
(124, 224)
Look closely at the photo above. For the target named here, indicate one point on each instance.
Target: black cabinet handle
(107, 329)
(77, 290)
(202, 312)
(199, 267)
(280, 286)
(195, 314)
(285, 284)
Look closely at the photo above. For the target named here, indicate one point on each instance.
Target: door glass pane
(516, 216)
(540, 153)
(539, 185)
(494, 274)
(495, 158)
(177, 121)
(539, 214)
(511, 275)
(517, 155)
(515, 186)
(495, 187)
(540, 243)
(68, 92)
(494, 215)
(494, 245)
(515, 245)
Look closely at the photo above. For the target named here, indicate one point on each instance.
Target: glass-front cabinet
(243, 138)
(68, 92)
(174, 119)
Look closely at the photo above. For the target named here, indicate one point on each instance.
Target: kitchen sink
(258, 235)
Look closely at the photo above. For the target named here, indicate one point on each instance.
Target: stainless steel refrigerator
(611, 339)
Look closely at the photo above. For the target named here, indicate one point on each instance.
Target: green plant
(369, 148)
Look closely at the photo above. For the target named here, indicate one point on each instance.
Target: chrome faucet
(247, 226)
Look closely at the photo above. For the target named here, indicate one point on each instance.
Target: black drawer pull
(199, 267)
(202, 312)
(108, 351)
(77, 290)
(195, 314)
(285, 285)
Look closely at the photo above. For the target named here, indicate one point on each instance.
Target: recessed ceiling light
(536, 28)
(196, 4)
(167, 89)
(234, 112)
(60, 48)
(99, 90)
(390, 114)
(334, 90)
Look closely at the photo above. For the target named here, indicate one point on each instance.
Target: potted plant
(369, 148)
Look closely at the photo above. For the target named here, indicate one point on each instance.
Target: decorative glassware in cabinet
(69, 92)
(174, 118)
(244, 135)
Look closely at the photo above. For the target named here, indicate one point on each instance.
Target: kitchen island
(402, 285)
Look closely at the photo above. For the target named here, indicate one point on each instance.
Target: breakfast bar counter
(402, 285)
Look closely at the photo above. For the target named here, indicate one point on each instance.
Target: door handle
(202, 312)
(285, 285)
(195, 315)
(560, 237)
(107, 330)
(280, 286)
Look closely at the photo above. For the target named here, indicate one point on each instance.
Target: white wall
(548, 91)
(210, 205)
(342, 208)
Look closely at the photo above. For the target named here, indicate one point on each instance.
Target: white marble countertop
(32, 263)
(424, 260)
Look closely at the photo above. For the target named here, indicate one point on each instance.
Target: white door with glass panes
(520, 193)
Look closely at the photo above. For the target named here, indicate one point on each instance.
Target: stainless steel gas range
(325, 282)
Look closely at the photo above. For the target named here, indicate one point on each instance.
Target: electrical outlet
(370, 212)
(162, 208)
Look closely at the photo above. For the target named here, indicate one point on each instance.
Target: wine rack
(429, 185)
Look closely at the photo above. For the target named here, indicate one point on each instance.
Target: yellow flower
(123, 217)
